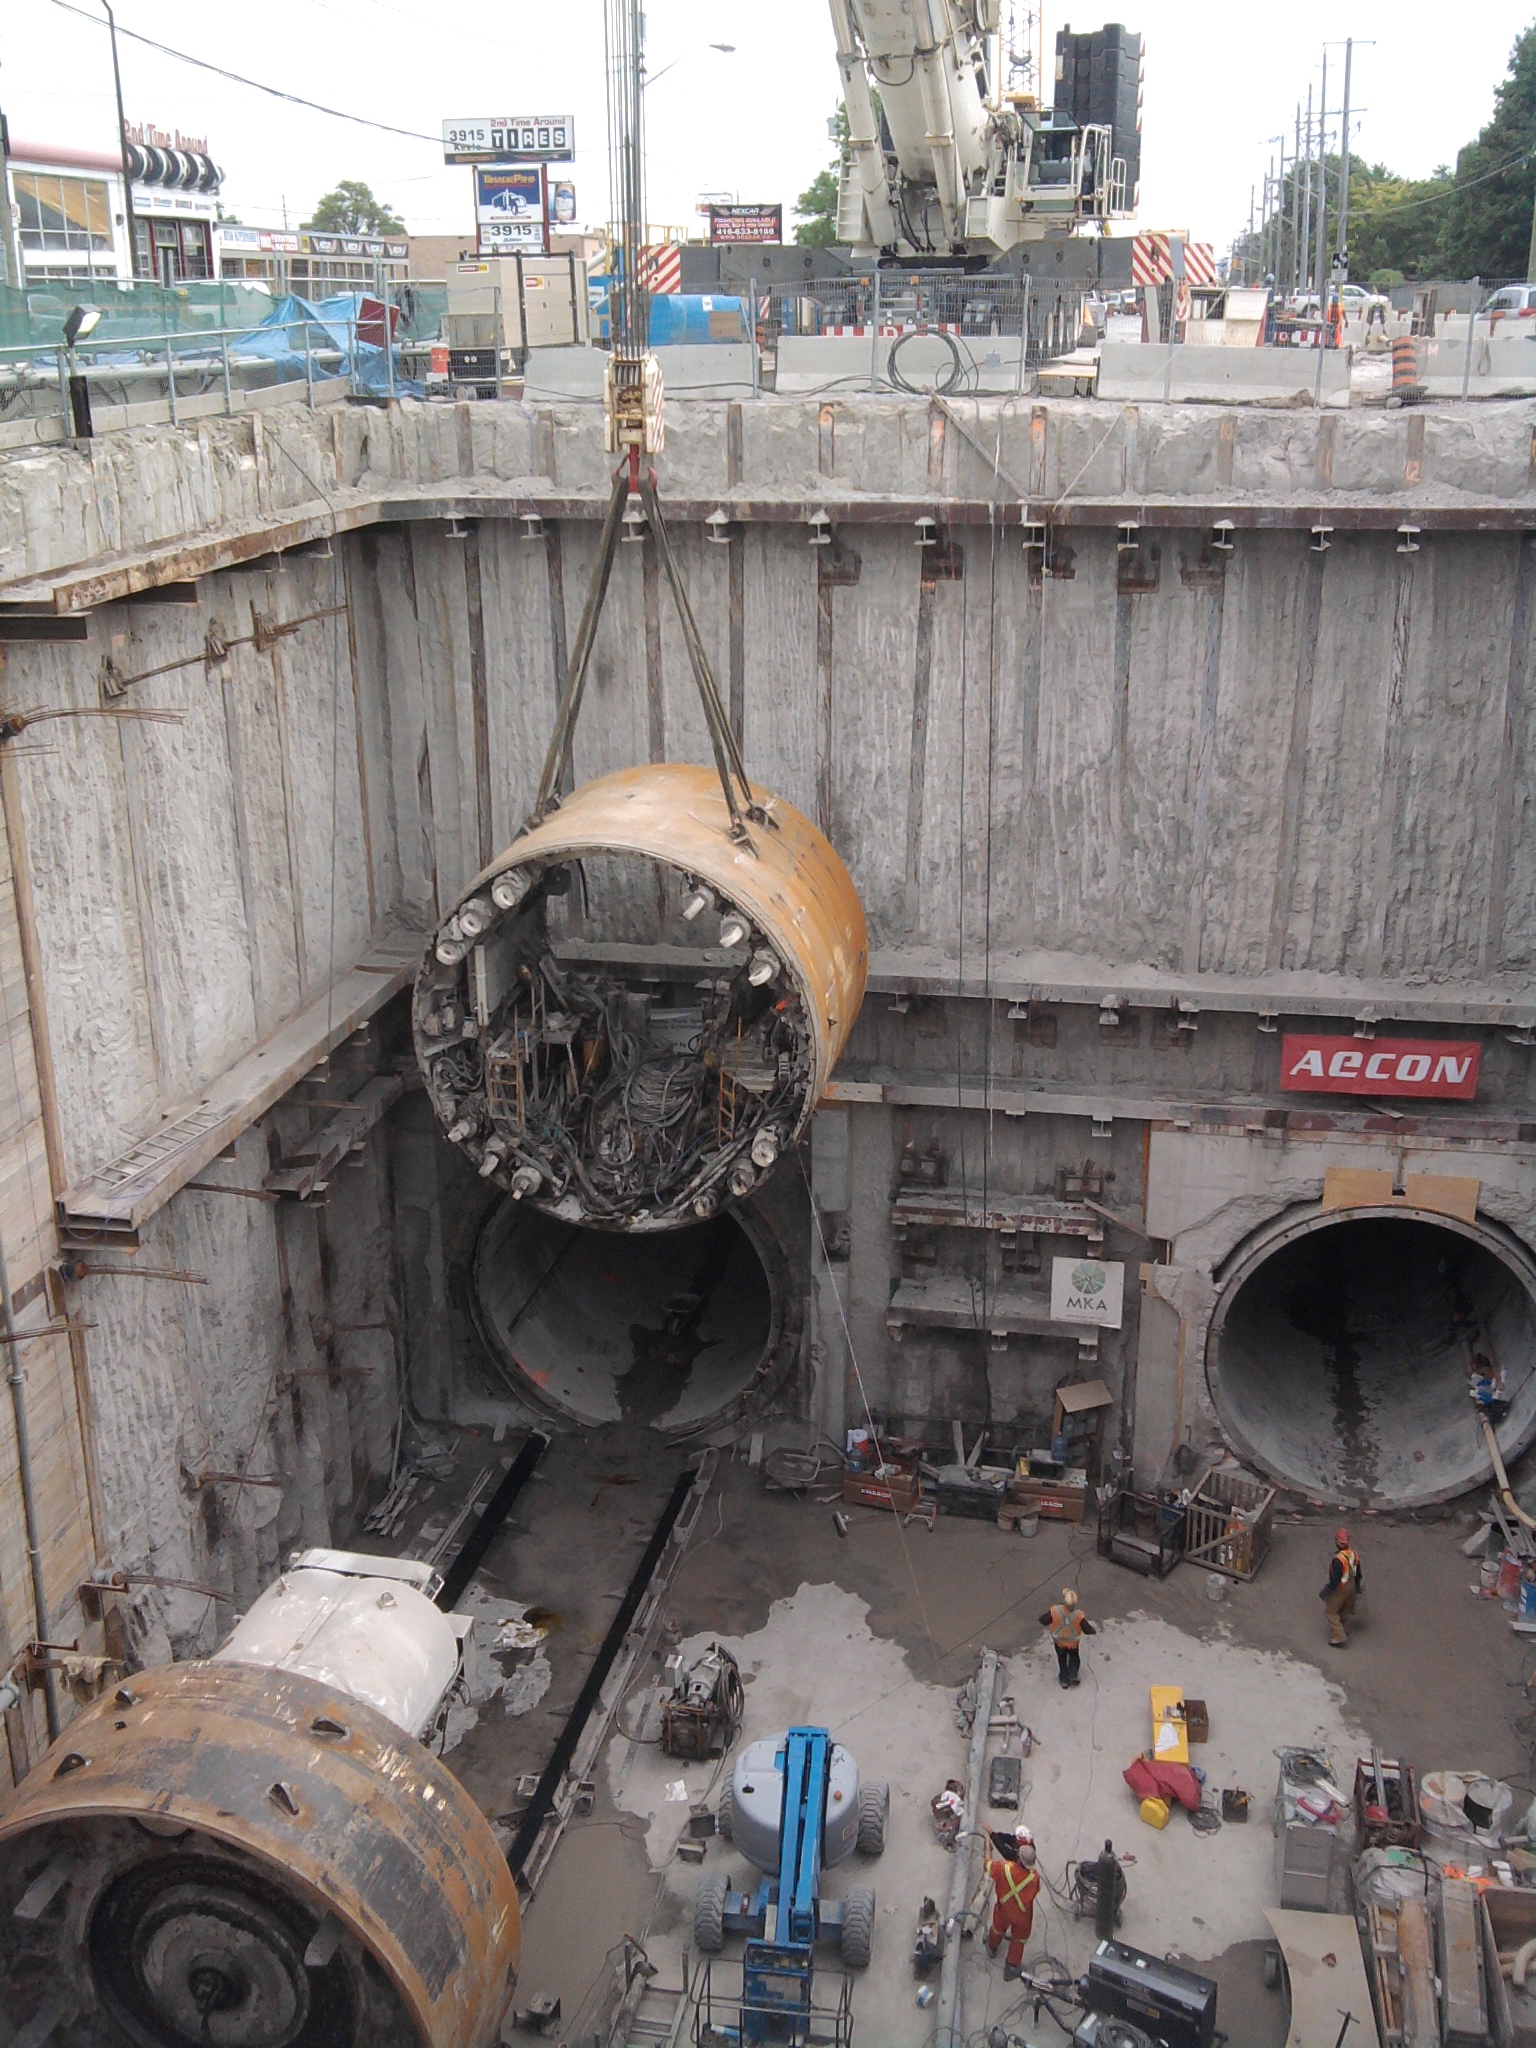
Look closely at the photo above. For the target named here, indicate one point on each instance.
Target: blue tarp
(329, 325)
(280, 340)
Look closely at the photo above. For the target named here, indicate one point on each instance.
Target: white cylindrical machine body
(366, 1626)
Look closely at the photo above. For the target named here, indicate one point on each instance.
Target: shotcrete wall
(1231, 787)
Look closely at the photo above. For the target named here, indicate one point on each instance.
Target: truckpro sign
(1430, 1067)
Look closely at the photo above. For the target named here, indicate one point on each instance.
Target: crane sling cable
(628, 482)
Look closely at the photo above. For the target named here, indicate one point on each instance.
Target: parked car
(1514, 302)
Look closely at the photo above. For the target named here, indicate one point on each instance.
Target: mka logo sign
(1088, 1291)
(1384, 1066)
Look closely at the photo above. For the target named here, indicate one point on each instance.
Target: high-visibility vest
(1067, 1627)
(1016, 1886)
(1348, 1565)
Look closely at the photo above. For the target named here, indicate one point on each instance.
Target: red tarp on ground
(1176, 1783)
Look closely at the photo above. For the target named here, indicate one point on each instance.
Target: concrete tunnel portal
(667, 1328)
(1342, 1346)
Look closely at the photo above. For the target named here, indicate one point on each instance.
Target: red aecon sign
(1432, 1067)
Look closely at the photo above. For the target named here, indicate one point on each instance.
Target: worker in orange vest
(1068, 1625)
(1016, 1885)
(1344, 1583)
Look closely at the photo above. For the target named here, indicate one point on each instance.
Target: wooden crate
(1230, 1523)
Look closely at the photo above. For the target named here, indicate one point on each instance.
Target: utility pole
(1304, 246)
(1293, 266)
(1320, 246)
(122, 143)
(1530, 261)
(1343, 231)
(1248, 245)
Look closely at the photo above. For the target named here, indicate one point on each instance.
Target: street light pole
(122, 143)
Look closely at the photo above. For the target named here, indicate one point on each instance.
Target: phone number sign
(510, 138)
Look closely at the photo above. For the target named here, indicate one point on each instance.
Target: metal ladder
(657, 2021)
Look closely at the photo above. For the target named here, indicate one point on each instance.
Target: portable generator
(1130, 1998)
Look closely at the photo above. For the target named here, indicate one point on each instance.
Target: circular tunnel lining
(1338, 1354)
(667, 1328)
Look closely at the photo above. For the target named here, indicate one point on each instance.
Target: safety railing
(102, 381)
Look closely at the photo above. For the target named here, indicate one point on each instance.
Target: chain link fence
(915, 330)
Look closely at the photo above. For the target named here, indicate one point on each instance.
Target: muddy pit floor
(873, 1632)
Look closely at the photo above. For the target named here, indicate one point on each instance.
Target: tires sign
(1437, 1068)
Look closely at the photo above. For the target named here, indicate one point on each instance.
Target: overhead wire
(253, 84)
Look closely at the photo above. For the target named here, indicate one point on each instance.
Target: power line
(1449, 191)
(255, 84)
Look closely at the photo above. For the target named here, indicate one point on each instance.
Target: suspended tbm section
(1345, 1351)
(662, 1330)
(631, 1014)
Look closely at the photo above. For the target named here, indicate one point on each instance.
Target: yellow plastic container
(1155, 1812)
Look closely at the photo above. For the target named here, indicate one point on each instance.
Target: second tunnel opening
(1342, 1355)
(664, 1329)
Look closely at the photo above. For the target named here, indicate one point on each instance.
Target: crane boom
(939, 163)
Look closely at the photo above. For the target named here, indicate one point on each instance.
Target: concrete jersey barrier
(1234, 376)
(718, 369)
(1502, 364)
(812, 362)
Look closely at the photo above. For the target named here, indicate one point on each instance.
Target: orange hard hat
(1341, 1537)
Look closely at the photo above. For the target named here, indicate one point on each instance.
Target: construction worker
(1344, 1583)
(1015, 1886)
(1068, 1625)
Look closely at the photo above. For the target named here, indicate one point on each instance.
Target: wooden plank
(1364, 1187)
(1418, 2013)
(1326, 1974)
(1170, 1738)
(245, 1091)
(1464, 1995)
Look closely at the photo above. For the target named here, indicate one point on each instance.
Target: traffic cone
(1406, 388)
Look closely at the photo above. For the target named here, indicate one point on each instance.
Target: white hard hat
(1024, 1836)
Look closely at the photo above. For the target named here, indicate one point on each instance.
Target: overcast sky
(1220, 82)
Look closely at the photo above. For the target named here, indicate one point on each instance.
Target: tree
(1487, 223)
(816, 208)
(1396, 224)
(816, 212)
(352, 210)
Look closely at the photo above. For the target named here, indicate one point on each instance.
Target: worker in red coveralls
(1343, 1585)
(1015, 1885)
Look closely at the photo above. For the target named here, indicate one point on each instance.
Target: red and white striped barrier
(1152, 259)
(660, 269)
(915, 327)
